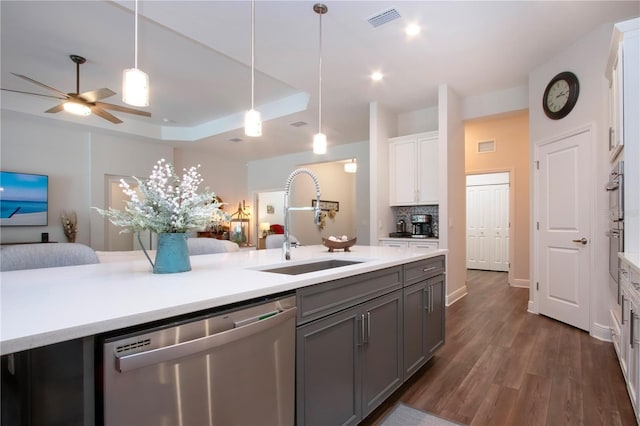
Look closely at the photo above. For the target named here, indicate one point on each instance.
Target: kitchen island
(51, 308)
(45, 306)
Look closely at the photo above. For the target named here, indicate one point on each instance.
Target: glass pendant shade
(319, 143)
(351, 167)
(135, 87)
(76, 108)
(252, 123)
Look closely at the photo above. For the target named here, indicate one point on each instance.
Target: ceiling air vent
(383, 17)
(235, 140)
(299, 124)
(486, 146)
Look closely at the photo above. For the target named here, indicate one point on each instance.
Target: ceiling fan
(82, 103)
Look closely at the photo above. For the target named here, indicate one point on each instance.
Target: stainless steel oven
(615, 188)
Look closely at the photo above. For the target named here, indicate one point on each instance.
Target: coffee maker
(421, 226)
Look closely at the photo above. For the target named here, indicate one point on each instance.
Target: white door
(488, 222)
(564, 231)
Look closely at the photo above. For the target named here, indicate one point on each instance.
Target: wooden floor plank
(503, 366)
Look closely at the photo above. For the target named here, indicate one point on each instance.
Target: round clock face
(561, 95)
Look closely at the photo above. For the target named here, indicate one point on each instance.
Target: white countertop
(633, 259)
(39, 307)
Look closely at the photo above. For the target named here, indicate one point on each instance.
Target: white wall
(225, 177)
(587, 59)
(44, 146)
(494, 103)
(419, 121)
(271, 174)
(452, 209)
(383, 124)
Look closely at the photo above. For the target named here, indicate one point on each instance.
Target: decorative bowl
(338, 245)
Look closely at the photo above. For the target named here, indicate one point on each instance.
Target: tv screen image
(23, 199)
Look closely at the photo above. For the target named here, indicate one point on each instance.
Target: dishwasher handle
(167, 353)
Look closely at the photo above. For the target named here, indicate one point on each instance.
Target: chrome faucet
(286, 247)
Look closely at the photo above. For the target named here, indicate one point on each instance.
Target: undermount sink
(304, 268)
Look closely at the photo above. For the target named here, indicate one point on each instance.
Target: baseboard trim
(601, 332)
(456, 295)
(520, 283)
(530, 308)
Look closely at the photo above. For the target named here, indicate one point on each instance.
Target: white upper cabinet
(623, 72)
(413, 170)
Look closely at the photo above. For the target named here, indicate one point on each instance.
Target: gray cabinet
(423, 316)
(359, 338)
(348, 362)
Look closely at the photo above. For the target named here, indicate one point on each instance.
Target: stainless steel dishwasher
(234, 367)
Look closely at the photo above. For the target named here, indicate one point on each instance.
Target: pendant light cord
(135, 48)
(253, 42)
(320, 81)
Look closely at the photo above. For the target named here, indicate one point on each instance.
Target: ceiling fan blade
(24, 77)
(36, 94)
(56, 108)
(96, 95)
(104, 114)
(123, 109)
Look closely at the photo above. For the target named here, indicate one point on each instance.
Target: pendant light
(351, 167)
(135, 82)
(252, 120)
(320, 139)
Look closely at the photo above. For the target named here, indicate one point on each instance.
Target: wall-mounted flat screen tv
(24, 199)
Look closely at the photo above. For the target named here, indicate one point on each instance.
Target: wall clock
(561, 95)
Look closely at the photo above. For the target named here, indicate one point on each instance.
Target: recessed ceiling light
(376, 76)
(412, 30)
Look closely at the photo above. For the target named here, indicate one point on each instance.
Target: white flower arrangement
(166, 203)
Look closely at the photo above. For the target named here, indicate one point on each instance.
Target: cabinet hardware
(361, 339)
(368, 326)
(622, 309)
(631, 328)
(428, 269)
(431, 299)
(425, 293)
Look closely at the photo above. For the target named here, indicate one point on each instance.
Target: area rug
(403, 415)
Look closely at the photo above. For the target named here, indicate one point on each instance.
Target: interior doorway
(488, 221)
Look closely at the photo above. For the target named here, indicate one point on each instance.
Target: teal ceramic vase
(172, 255)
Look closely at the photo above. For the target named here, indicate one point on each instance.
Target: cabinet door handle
(425, 295)
(631, 328)
(429, 269)
(623, 309)
(431, 293)
(368, 326)
(360, 340)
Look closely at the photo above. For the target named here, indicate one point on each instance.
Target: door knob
(582, 240)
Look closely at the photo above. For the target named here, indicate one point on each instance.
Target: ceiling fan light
(252, 123)
(76, 108)
(351, 167)
(135, 87)
(319, 143)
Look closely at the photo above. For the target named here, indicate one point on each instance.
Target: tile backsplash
(405, 212)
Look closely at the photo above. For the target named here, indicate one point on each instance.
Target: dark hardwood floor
(503, 366)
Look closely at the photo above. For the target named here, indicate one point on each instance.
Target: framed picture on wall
(270, 209)
(327, 205)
